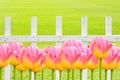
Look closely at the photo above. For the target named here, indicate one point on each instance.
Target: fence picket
(33, 33)
(108, 25)
(8, 28)
(109, 33)
(84, 33)
(58, 43)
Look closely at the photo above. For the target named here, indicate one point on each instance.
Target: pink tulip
(100, 47)
(113, 60)
(33, 59)
(53, 58)
(68, 57)
(83, 57)
(92, 61)
(39, 62)
(15, 49)
(4, 55)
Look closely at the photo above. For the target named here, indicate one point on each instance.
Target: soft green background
(71, 11)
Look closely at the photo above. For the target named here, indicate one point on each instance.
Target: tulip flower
(83, 56)
(14, 49)
(40, 64)
(68, 58)
(86, 59)
(73, 43)
(53, 59)
(112, 61)
(101, 49)
(92, 63)
(4, 57)
(33, 59)
(40, 61)
(20, 67)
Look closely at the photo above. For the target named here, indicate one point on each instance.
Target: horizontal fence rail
(58, 38)
(48, 38)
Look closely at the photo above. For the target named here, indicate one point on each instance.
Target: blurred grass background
(71, 11)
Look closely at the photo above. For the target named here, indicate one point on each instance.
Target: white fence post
(8, 27)
(34, 29)
(33, 33)
(108, 25)
(58, 43)
(109, 33)
(84, 25)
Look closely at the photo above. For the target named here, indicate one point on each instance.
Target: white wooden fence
(58, 38)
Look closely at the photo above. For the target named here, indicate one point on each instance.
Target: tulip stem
(35, 76)
(21, 75)
(14, 77)
(0, 73)
(80, 74)
(106, 74)
(30, 75)
(73, 74)
(100, 76)
(68, 74)
(60, 75)
(92, 74)
(42, 74)
(112, 74)
(52, 74)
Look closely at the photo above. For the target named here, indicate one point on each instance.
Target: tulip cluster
(71, 55)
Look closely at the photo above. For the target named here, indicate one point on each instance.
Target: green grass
(71, 11)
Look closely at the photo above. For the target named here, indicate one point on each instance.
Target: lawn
(71, 11)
